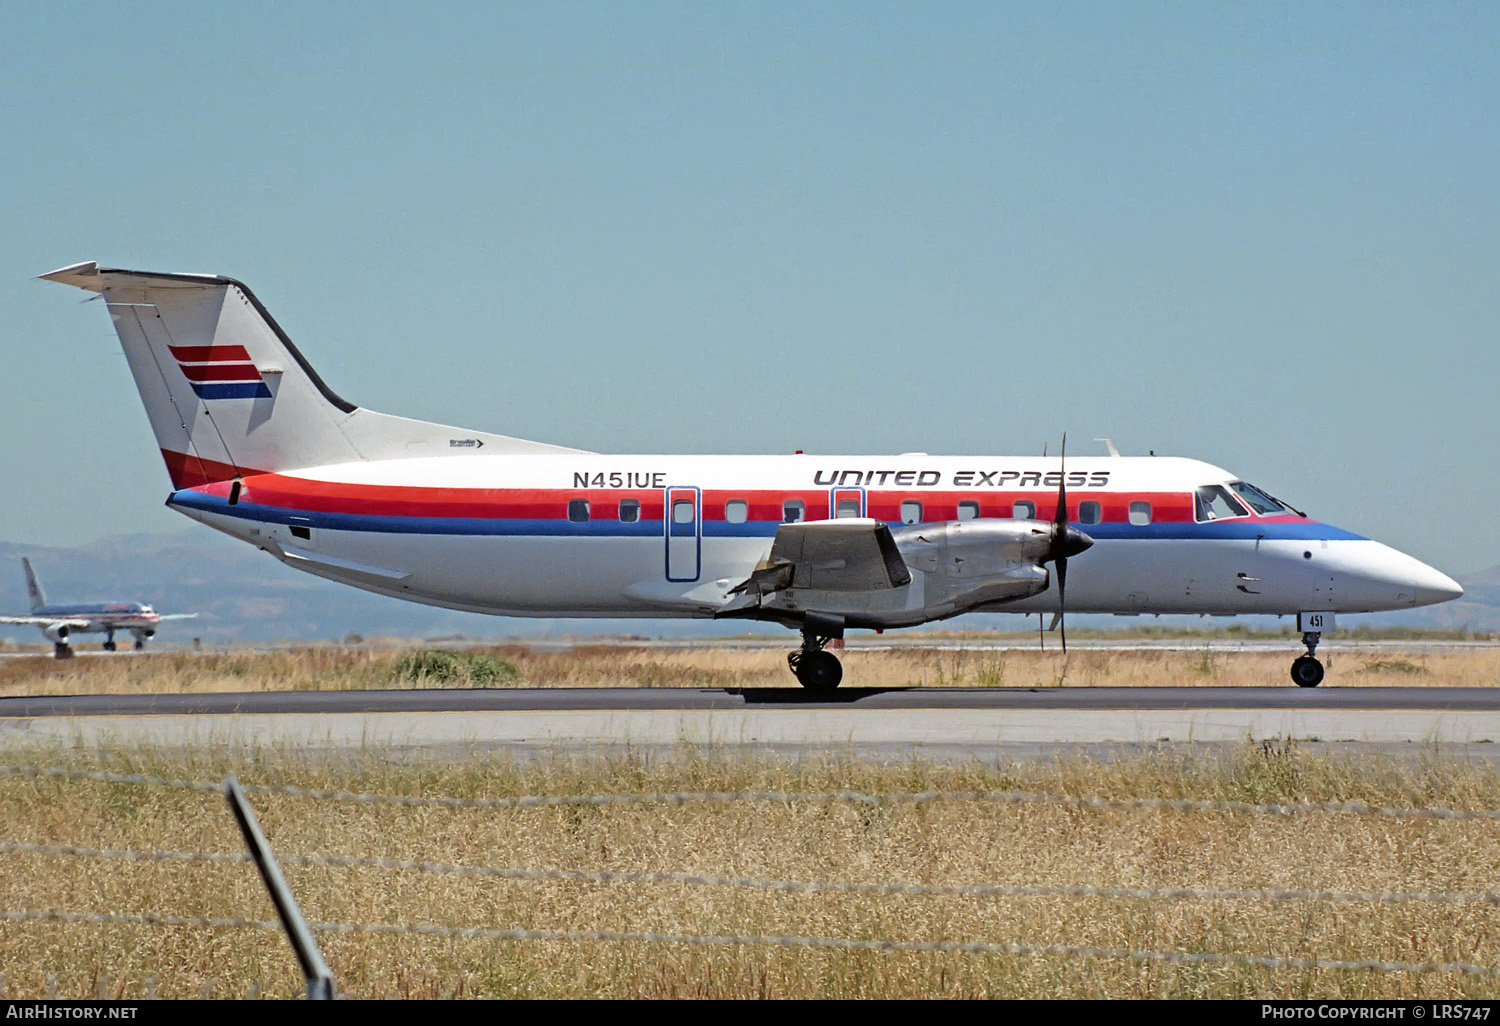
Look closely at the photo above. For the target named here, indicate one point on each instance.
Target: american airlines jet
(60, 622)
(259, 447)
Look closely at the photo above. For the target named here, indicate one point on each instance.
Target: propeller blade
(1060, 518)
(1062, 601)
(1066, 541)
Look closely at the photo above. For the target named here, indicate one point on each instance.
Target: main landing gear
(62, 650)
(109, 642)
(1307, 671)
(816, 669)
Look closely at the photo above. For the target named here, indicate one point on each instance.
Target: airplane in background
(259, 447)
(60, 623)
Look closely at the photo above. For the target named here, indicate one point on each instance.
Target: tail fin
(33, 587)
(229, 395)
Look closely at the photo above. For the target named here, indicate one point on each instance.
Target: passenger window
(736, 511)
(1215, 503)
(630, 511)
(1140, 513)
(968, 510)
(1023, 511)
(793, 511)
(578, 510)
(1090, 512)
(682, 511)
(848, 508)
(911, 512)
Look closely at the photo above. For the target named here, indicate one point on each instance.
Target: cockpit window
(1258, 500)
(1215, 503)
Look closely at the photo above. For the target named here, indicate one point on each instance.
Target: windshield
(1215, 503)
(1258, 500)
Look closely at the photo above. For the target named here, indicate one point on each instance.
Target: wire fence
(646, 877)
(760, 940)
(887, 889)
(1349, 808)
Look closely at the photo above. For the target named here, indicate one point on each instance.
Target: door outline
(671, 530)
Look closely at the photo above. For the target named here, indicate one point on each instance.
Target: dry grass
(599, 665)
(943, 843)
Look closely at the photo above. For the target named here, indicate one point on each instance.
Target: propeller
(1066, 541)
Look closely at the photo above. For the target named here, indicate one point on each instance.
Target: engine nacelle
(969, 563)
(57, 633)
(142, 633)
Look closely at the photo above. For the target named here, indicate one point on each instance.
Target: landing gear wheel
(109, 646)
(139, 645)
(62, 650)
(819, 671)
(1307, 672)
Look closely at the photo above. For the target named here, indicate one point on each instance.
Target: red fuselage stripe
(280, 491)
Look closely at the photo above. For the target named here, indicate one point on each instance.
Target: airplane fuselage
(639, 536)
(102, 617)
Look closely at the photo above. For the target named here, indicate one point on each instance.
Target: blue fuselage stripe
(1245, 529)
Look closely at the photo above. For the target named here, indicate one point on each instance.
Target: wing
(177, 616)
(44, 621)
(829, 555)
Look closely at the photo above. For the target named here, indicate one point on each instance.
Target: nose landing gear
(814, 668)
(1307, 671)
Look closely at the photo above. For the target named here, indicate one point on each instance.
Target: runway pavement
(897, 722)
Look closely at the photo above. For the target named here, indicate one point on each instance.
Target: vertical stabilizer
(33, 588)
(229, 395)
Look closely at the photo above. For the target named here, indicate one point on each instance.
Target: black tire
(139, 644)
(62, 650)
(1307, 672)
(820, 671)
(109, 646)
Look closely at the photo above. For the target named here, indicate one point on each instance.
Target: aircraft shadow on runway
(802, 696)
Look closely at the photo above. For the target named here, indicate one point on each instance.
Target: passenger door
(683, 528)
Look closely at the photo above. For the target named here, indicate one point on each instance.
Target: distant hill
(246, 596)
(242, 595)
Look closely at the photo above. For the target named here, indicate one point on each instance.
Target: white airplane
(60, 623)
(259, 447)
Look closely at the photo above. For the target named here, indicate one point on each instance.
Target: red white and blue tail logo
(221, 372)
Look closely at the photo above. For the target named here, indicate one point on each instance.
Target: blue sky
(1262, 235)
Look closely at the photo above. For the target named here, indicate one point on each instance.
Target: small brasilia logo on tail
(221, 372)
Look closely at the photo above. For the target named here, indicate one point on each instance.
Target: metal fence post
(319, 979)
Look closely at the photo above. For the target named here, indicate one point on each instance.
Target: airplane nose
(1433, 586)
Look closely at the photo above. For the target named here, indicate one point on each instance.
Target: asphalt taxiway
(900, 722)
